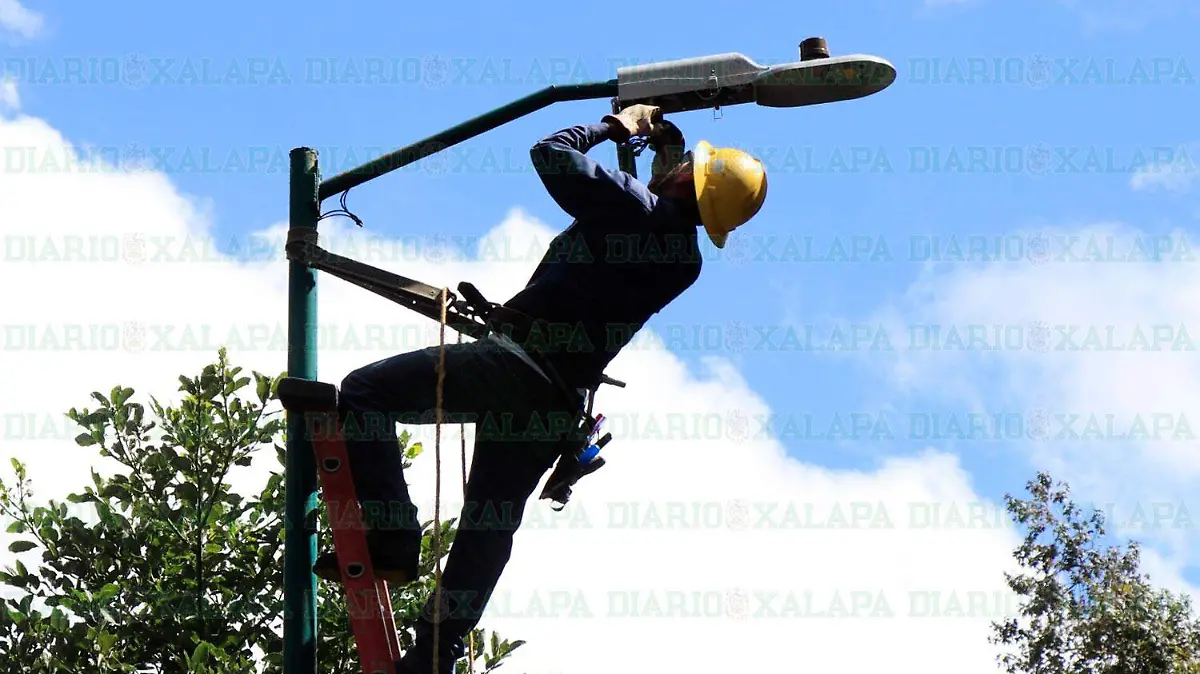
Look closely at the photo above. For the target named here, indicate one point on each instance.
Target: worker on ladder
(630, 251)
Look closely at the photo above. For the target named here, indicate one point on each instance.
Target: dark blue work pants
(519, 418)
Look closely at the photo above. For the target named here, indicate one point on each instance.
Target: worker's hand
(668, 143)
(643, 116)
(636, 120)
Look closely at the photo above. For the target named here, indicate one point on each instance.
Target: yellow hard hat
(731, 186)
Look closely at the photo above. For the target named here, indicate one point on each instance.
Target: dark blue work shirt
(627, 255)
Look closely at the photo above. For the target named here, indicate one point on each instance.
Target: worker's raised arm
(579, 185)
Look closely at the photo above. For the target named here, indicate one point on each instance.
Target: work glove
(636, 120)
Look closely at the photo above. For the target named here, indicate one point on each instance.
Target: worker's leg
(482, 381)
(503, 477)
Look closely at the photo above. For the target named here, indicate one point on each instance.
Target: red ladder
(367, 597)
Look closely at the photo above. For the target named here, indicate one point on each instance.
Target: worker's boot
(419, 658)
(395, 557)
(415, 662)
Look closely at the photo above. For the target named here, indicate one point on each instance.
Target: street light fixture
(674, 86)
(734, 79)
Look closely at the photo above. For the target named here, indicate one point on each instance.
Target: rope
(437, 485)
(437, 492)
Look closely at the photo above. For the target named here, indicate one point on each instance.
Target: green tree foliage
(160, 566)
(1086, 608)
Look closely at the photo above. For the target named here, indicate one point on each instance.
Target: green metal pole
(626, 160)
(300, 470)
(467, 130)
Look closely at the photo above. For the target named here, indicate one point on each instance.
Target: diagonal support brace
(424, 299)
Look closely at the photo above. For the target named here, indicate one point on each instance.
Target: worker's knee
(353, 384)
(362, 418)
(351, 396)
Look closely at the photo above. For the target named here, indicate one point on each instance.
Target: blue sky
(941, 105)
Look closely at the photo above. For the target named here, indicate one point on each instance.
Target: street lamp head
(823, 80)
(733, 79)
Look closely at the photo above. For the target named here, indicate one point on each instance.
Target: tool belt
(578, 457)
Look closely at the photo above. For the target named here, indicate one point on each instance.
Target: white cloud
(1176, 175)
(18, 19)
(82, 246)
(10, 100)
(1095, 330)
